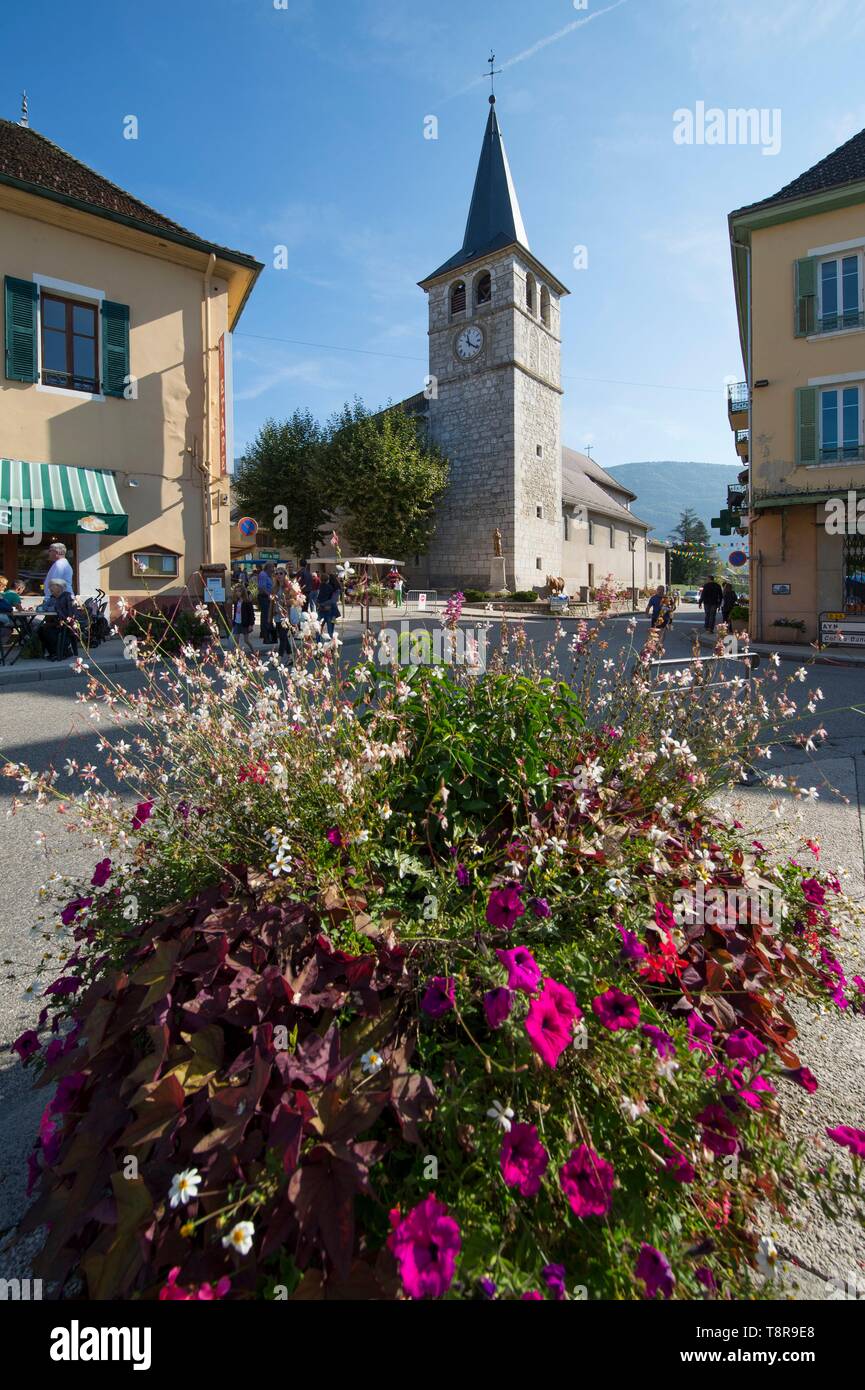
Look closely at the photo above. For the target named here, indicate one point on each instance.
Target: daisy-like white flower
(239, 1238)
(184, 1187)
(371, 1062)
(618, 887)
(502, 1114)
(767, 1257)
(667, 1068)
(632, 1109)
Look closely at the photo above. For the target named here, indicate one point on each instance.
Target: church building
(493, 406)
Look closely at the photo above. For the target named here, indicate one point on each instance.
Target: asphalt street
(43, 724)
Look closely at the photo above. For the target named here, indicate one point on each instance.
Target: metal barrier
(421, 601)
(752, 658)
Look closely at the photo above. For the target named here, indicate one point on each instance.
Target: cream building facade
(115, 400)
(799, 417)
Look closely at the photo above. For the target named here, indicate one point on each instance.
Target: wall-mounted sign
(738, 558)
(840, 630)
(780, 588)
(247, 526)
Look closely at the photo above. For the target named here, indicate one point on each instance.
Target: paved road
(44, 724)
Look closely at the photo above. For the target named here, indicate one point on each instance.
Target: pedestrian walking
(243, 615)
(328, 603)
(658, 608)
(265, 605)
(729, 600)
(710, 600)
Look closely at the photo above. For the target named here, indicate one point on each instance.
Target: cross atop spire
(494, 72)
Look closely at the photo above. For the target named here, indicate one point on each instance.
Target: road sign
(840, 630)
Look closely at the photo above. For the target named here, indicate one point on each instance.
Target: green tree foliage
(387, 479)
(282, 482)
(695, 555)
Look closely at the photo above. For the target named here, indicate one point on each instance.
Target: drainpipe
(755, 570)
(204, 465)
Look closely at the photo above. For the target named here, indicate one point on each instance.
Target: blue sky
(304, 127)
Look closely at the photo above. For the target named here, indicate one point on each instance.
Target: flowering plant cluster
(380, 986)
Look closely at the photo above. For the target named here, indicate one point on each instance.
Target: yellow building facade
(115, 399)
(799, 417)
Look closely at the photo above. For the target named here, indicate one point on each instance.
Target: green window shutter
(806, 296)
(115, 348)
(21, 301)
(806, 425)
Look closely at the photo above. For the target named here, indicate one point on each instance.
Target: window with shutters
(839, 293)
(69, 343)
(458, 298)
(830, 294)
(530, 293)
(545, 306)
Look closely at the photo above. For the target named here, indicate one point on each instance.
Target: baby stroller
(93, 621)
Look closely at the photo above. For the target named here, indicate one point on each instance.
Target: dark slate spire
(494, 219)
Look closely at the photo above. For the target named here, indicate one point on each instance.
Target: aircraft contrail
(544, 43)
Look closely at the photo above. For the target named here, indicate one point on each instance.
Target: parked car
(692, 595)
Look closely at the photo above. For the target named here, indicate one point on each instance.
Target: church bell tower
(495, 393)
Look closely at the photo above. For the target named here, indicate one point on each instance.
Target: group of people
(57, 631)
(714, 599)
(285, 600)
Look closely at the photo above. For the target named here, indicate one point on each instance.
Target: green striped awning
(58, 497)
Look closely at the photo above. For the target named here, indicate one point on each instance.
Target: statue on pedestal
(497, 543)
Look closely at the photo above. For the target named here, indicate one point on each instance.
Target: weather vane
(25, 119)
(494, 72)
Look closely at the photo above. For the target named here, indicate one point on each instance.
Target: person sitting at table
(8, 601)
(56, 628)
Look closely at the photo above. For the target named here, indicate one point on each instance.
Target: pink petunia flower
(700, 1033)
(720, 1135)
(814, 892)
(101, 873)
(26, 1044)
(143, 812)
(616, 1010)
(497, 1006)
(425, 1244)
(804, 1078)
(587, 1182)
(440, 996)
(551, 1019)
(743, 1044)
(654, 1270)
(523, 970)
(849, 1138)
(505, 906)
(523, 1159)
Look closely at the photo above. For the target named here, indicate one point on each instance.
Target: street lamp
(632, 546)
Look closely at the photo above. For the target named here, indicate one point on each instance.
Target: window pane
(53, 313)
(168, 564)
(851, 417)
(54, 352)
(850, 281)
(83, 319)
(830, 420)
(84, 357)
(829, 287)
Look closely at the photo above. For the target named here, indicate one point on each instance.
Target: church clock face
(468, 343)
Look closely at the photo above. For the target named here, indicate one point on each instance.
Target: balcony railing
(843, 453)
(737, 497)
(834, 323)
(737, 397)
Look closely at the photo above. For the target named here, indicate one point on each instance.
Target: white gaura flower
(371, 1062)
(184, 1187)
(239, 1238)
(767, 1257)
(667, 1069)
(632, 1109)
(502, 1114)
(618, 887)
